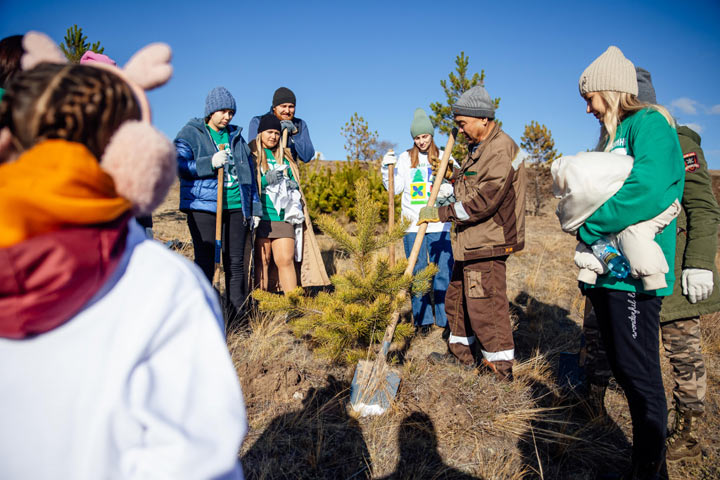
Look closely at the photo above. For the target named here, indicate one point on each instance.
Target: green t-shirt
(268, 209)
(231, 188)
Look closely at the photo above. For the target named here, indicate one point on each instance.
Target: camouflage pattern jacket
(489, 215)
(697, 231)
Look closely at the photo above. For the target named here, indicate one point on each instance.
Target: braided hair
(77, 103)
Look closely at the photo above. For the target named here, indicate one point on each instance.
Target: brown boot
(501, 368)
(681, 442)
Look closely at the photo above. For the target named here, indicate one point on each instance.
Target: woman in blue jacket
(203, 146)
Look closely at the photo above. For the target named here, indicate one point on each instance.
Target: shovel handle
(391, 211)
(218, 225)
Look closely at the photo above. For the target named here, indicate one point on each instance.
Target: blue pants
(436, 249)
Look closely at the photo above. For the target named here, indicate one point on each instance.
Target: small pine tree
(537, 141)
(76, 45)
(360, 141)
(346, 324)
(459, 84)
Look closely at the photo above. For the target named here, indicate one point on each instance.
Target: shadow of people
(419, 457)
(319, 441)
(569, 440)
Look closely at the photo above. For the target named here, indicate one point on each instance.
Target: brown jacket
(490, 186)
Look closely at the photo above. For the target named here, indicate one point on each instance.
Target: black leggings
(234, 231)
(629, 325)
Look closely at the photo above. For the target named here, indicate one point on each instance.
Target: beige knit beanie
(610, 71)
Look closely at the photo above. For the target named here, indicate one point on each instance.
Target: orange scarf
(56, 184)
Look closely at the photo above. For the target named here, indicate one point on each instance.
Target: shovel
(218, 226)
(375, 384)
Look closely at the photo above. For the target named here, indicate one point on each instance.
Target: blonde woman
(628, 315)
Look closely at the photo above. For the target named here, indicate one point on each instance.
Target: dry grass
(447, 422)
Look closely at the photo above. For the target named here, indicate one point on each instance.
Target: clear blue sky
(384, 59)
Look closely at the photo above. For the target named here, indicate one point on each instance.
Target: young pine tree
(344, 325)
(458, 84)
(76, 45)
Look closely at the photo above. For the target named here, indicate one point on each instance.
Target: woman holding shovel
(204, 146)
(284, 235)
(414, 172)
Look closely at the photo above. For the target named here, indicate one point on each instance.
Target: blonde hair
(259, 152)
(618, 106)
(432, 153)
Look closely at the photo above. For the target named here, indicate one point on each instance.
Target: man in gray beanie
(489, 218)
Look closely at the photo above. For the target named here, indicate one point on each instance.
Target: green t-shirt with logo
(268, 209)
(232, 198)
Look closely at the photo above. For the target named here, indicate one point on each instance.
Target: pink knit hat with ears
(139, 158)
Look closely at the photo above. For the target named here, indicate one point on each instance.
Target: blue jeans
(436, 249)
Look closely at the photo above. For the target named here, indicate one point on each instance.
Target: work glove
(389, 159)
(428, 214)
(446, 195)
(220, 159)
(274, 176)
(292, 185)
(435, 164)
(255, 221)
(289, 126)
(585, 258)
(697, 284)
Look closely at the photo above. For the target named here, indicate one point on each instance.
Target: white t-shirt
(139, 384)
(415, 186)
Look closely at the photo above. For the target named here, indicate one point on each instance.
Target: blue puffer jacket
(198, 179)
(299, 144)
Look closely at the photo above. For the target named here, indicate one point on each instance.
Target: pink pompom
(142, 162)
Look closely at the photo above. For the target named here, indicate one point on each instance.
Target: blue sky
(384, 59)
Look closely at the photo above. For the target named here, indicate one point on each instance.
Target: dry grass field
(446, 422)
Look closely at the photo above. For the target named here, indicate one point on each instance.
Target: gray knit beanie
(219, 99)
(610, 71)
(421, 124)
(475, 102)
(646, 91)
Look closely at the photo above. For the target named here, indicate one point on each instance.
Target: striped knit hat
(610, 71)
(475, 102)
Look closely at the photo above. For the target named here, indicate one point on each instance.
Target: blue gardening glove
(428, 215)
(292, 185)
(289, 126)
(274, 176)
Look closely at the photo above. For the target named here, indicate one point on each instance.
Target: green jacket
(656, 181)
(697, 230)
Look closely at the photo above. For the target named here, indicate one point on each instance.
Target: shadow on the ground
(570, 441)
(319, 441)
(419, 457)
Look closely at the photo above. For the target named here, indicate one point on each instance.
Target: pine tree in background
(346, 324)
(537, 141)
(360, 141)
(76, 45)
(459, 83)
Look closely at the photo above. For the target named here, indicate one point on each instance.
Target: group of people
(261, 197)
(124, 340)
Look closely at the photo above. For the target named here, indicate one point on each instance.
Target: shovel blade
(373, 389)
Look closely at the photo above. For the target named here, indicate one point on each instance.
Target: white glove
(697, 284)
(585, 258)
(446, 195)
(389, 159)
(220, 159)
(255, 221)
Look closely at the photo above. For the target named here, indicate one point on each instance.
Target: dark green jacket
(697, 231)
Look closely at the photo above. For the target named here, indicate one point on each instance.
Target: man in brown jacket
(488, 225)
